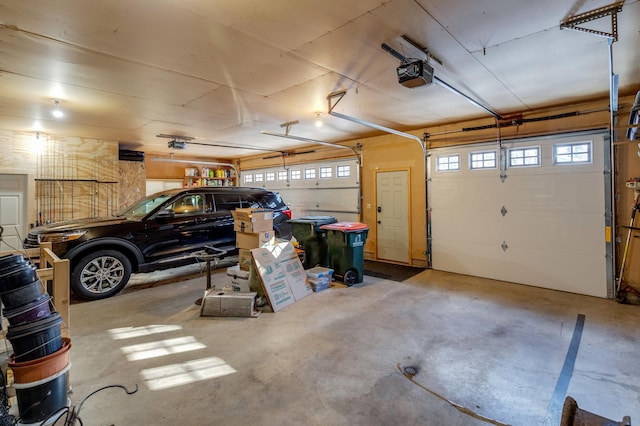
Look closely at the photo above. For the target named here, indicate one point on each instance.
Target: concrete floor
(333, 358)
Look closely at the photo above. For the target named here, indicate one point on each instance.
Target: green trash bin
(345, 250)
(312, 239)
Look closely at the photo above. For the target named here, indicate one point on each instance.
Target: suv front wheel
(101, 274)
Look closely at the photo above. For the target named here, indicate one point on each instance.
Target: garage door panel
(465, 226)
(559, 232)
(541, 226)
(564, 271)
(576, 193)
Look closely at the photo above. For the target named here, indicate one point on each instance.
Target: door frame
(27, 187)
(409, 211)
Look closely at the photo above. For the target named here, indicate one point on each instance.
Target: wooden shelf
(205, 177)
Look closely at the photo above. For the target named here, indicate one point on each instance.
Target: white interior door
(542, 225)
(393, 216)
(12, 212)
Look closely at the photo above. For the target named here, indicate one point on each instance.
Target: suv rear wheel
(100, 274)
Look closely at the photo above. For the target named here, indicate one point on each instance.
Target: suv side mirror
(165, 214)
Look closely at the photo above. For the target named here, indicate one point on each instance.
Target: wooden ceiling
(221, 71)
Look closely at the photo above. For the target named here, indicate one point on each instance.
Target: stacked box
(319, 278)
(245, 240)
(252, 220)
(254, 228)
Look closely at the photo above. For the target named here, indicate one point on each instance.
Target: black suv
(158, 232)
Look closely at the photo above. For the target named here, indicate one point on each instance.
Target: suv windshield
(145, 206)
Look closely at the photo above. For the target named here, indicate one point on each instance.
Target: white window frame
(343, 171)
(296, 174)
(446, 166)
(248, 178)
(526, 154)
(326, 172)
(283, 175)
(572, 154)
(310, 174)
(259, 177)
(270, 176)
(479, 160)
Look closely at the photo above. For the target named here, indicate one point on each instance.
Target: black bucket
(21, 296)
(37, 401)
(36, 339)
(12, 278)
(10, 259)
(30, 312)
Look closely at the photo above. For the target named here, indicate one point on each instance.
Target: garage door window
(296, 175)
(572, 153)
(282, 175)
(310, 173)
(524, 157)
(259, 177)
(343, 171)
(325, 172)
(482, 160)
(271, 176)
(448, 163)
(248, 178)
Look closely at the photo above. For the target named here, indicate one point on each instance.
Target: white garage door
(329, 188)
(539, 219)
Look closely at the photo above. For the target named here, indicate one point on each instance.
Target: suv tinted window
(226, 201)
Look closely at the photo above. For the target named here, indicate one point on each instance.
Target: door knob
(379, 209)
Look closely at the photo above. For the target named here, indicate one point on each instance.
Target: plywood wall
(69, 177)
(133, 178)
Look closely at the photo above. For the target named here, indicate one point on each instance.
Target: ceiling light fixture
(57, 112)
(318, 120)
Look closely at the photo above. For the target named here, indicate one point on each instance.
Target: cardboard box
(245, 259)
(238, 279)
(282, 274)
(273, 279)
(245, 240)
(252, 220)
(217, 303)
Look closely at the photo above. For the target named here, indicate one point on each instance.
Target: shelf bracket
(613, 9)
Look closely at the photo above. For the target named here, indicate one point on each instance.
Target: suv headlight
(61, 237)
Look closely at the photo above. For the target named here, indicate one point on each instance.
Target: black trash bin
(312, 239)
(345, 250)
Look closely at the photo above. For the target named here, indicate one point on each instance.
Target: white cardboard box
(281, 273)
(238, 279)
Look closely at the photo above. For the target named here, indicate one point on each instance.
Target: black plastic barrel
(23, 295)
(17, 276)
(10, 259)
(39, 400)
(36, 339)
(30, 312)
